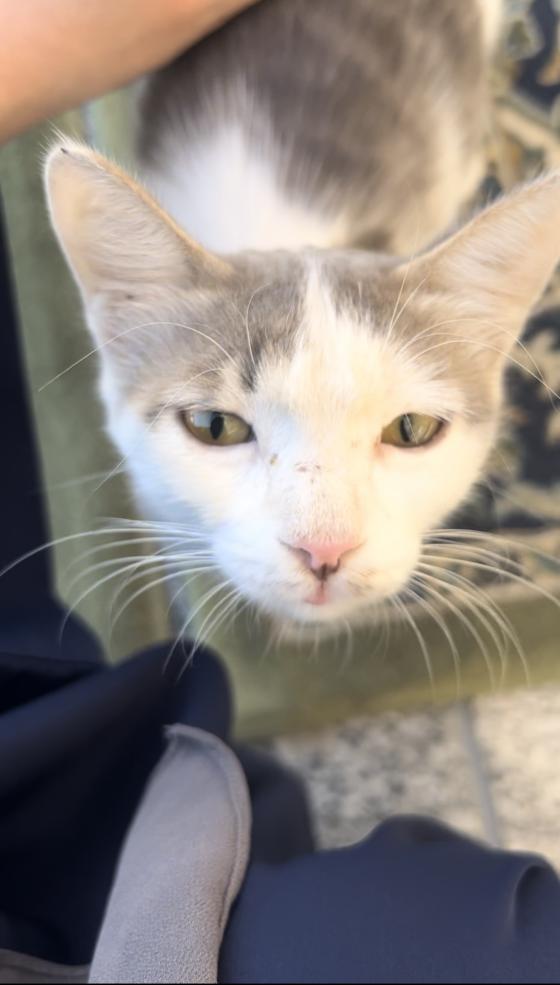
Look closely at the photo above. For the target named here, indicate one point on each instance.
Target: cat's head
(317, 412)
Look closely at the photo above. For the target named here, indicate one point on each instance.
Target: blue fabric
(414, 902)
(281, 820)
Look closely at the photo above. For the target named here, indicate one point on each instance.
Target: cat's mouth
(327, 604)
(320, 596)
(338, 591)
(328, 596)
(338, 599)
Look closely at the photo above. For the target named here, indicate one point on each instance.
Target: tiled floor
(491, 768)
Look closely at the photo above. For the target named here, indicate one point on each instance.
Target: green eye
(411, 430)
(212, 427)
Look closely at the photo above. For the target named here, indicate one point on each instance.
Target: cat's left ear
(498, 265)
(114, 234)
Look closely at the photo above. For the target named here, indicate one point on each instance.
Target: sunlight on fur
(299, 416)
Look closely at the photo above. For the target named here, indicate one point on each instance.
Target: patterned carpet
(487, 767)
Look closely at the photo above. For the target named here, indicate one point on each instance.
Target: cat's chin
(298, 632)
(317, 623)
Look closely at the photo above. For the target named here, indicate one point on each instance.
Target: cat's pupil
(407, 434)
(217, 426)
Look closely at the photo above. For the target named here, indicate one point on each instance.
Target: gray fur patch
(359, 96)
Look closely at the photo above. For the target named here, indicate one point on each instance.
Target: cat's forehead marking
(331, 357)
(290, 300)
(344, 363)
(293, 302)
(270, 318)
(329, 339)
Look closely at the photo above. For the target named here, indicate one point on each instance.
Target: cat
(309, 382)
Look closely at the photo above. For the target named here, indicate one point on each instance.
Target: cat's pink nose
(323, 559)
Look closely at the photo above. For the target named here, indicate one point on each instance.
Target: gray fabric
(24, 969)
(181, 868)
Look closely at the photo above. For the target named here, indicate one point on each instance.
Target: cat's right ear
(497, 266)
(115, 236)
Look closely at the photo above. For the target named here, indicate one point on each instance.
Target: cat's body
(324, 123)
(311, 410)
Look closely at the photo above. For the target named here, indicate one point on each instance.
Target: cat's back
(324, 122)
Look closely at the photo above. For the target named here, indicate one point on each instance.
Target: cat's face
(314, 414)
(321, 469)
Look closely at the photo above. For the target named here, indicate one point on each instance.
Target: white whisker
(440, 621)
(401, 607)
(127, 331)
(429, 581)
(202, 569)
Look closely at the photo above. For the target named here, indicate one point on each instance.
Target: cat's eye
(213, 427)
(411, 430)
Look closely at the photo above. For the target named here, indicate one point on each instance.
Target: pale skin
(56, 54)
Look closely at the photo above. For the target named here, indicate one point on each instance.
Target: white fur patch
(227, 193)
(492, 13)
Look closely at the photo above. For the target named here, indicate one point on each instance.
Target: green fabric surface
(67, 414)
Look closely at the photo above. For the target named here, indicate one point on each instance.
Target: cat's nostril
(324, 571)
(322, 559)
